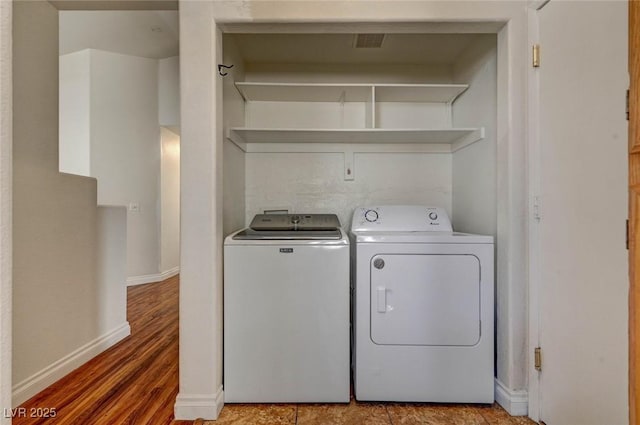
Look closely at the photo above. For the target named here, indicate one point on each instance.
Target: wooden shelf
(458, 137)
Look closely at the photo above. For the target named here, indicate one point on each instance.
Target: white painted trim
(533, 220)
(50, 374)
(505, 18)
(151, 278)
(515, 402)
(6, 173)
(193, 406)
(448, 27)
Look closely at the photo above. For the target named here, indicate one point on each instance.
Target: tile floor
(360, 413)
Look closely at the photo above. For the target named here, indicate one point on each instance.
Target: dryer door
(425, 299)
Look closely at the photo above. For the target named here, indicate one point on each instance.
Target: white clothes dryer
(422, 308)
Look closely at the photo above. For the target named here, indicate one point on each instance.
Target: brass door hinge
(627, 106)
(536, 56)
(537, 358)
(627, 238)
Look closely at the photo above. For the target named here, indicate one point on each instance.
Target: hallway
(134, 382)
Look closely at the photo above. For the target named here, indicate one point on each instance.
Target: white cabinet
(389, 116)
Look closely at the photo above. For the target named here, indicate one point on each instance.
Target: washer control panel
(401, 218)
(287, 222)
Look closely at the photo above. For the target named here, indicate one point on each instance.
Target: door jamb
(534, 158)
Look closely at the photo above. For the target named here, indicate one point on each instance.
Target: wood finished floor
(361, 413)
(136, 382)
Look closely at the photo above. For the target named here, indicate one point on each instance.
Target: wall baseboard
(515, 402)
(189, 407)
(150, 278)
(40, 380)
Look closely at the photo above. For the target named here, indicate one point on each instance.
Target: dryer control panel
(401, 218)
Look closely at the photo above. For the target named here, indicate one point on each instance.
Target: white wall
(6, 116)
(169, 119)
(111, 266)
(111, 108)
(347, 73)
(75, 110)
(474, 167)
(169, 91)
(57, 324)
(314, 183)
(170, 201)
(125, 154)
(234, 208)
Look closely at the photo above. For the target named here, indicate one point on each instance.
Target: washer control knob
(378, 263)
(295, 219)
(371, 215)
(433, 215)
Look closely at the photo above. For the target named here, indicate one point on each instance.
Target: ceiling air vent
(367, 41)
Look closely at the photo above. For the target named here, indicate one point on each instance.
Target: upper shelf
(292, 92)
(321, 92)
(439, 93)
(457, 138)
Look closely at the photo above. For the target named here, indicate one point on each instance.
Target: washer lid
(251, 234)
(400, 218)
(243, 237)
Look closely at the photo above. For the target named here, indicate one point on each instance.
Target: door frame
(511, 183)
(634, 216)
(6, 159)
(533, 212)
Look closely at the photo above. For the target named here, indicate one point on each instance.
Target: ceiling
(435, 49)
(154, 34)
(149, 34)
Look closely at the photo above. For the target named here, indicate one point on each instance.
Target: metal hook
(222, 73)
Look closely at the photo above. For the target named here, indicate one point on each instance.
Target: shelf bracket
(349, 163)
(236, 139)
(464, 141)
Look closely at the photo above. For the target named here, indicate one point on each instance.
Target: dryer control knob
(433, 215)
(371, 215)
(378, 263)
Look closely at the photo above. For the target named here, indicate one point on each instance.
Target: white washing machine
(423, 308)
(286, 311)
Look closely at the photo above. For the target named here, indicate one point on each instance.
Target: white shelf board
(436, 93)
(304, 92)
(457, 137)
(327, 92)
(347, 147)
